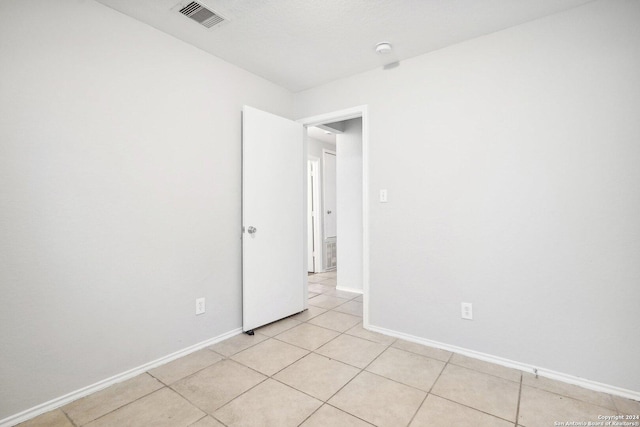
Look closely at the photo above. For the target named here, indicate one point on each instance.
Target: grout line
(459, 403)
(69, 418)
(485, 373)
(419, 407)
(188, 375)
(311, 414)
(199, 419)
(357, 367)
(471, 407)
(349, 413)
(133, 401)
(430, 392)
(226, 403)
(519, 397)
(573, 397)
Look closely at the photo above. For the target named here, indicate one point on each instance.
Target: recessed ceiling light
(327, 132)
(383, 48)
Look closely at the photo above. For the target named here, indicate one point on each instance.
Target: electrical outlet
(200, 306)
(383, 196)
(467, 310)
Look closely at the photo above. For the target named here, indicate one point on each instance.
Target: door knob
(252, 229)
(328, 212)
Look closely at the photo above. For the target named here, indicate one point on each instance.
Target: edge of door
(346, 114)
(324, 198)
(317, 232)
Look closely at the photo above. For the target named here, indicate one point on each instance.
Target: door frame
(324, 197)
(318, 259)
(340, 115)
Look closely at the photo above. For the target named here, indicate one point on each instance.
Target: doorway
(314, 208)
(363, 223)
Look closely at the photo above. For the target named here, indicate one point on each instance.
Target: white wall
(315, 147)
(349, 203)
(119, 194)
(512, 167)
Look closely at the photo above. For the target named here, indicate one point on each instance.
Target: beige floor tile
(360, 332)
(432, 352)
(270, 356)
(317, 375)
(270, 404)
(378, 400)
(317, 278)
(273, 329)
(569, 390)
(437, 412)
(327, 274)
(311, 294)
(326, 301)
(351, 350)
(484, 392)
(352, 307)
(102, 402)
(308, 336)
(540, 408)
(359, 298)
(330, 282)
(337, 321)
(329, 416)
(318, 288)
(626, 406)
(486, 367)
(55, 418)
(341, 294)
(407, 368)
(216, 385)
(236, 344)
(309, 313)
(207, 422)
(159, 409)
(185, 366)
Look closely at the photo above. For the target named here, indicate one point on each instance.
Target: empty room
(319, 213)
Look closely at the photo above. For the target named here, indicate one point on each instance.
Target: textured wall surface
(512, 167)
(119, 194)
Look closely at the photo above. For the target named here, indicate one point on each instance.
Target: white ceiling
(300, 44)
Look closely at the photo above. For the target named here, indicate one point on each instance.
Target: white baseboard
(355, 291)
(543, 372)
(85, 391)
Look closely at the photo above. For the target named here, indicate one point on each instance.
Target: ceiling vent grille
(201, 14)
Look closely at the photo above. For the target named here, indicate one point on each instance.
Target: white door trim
(324, 195)
(346, 114)
(316, 225)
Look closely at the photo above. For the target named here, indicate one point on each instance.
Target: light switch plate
(200, 306)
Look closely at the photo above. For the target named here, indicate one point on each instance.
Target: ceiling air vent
(201, 14)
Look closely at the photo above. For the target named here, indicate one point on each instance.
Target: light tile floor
(321, 368)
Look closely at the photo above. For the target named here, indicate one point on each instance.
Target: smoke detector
(383, 48)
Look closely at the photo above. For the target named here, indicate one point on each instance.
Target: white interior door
(329, 194)
(273, 209)
(310, 219)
